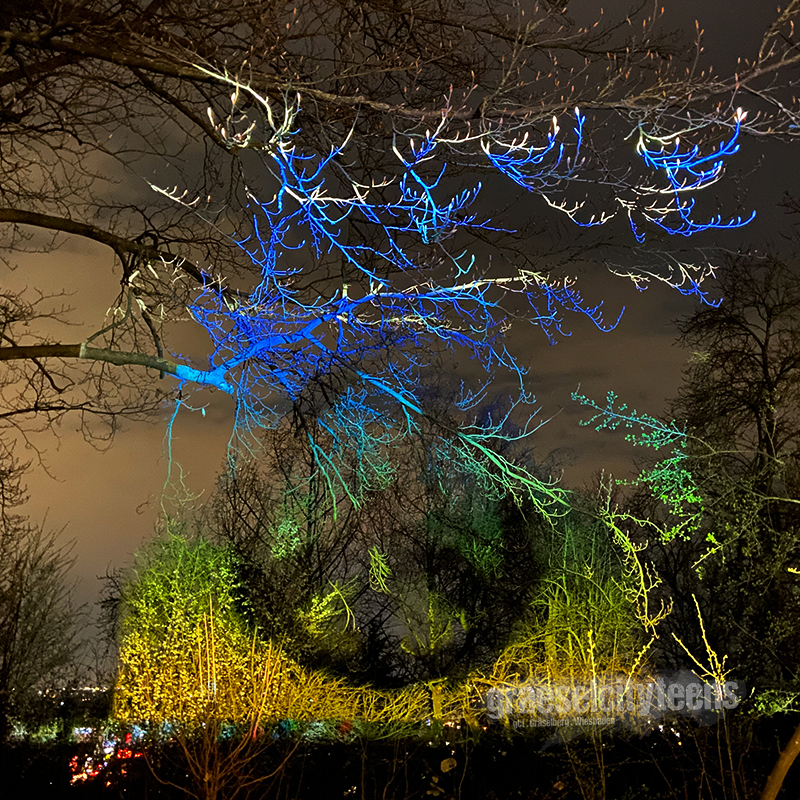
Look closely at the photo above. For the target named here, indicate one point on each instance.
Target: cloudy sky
(108, 501)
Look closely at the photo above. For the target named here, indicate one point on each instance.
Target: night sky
(109, 501)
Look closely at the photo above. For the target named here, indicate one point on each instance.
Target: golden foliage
(187, 655)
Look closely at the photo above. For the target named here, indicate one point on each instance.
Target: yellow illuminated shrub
(187, 657)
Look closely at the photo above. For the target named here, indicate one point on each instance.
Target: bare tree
(742, 388)
(38, 622)
(740, 400)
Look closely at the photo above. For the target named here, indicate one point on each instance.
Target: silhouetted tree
(425, 578)
(38, 621)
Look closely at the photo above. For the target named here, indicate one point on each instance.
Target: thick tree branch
(785, 760)
(120, 359)
(119, 244)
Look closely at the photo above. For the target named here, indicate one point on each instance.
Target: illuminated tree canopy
(407, 286)
(351, 349)
(339, 238)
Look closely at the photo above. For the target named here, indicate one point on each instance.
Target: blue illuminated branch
(361, 284)
(277, 339)
(686, 171)
(536, 168)
(408, 294)
(673, 269)
(690, 169)
(545, 171)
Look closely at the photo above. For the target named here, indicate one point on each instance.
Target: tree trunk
(785, 759)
